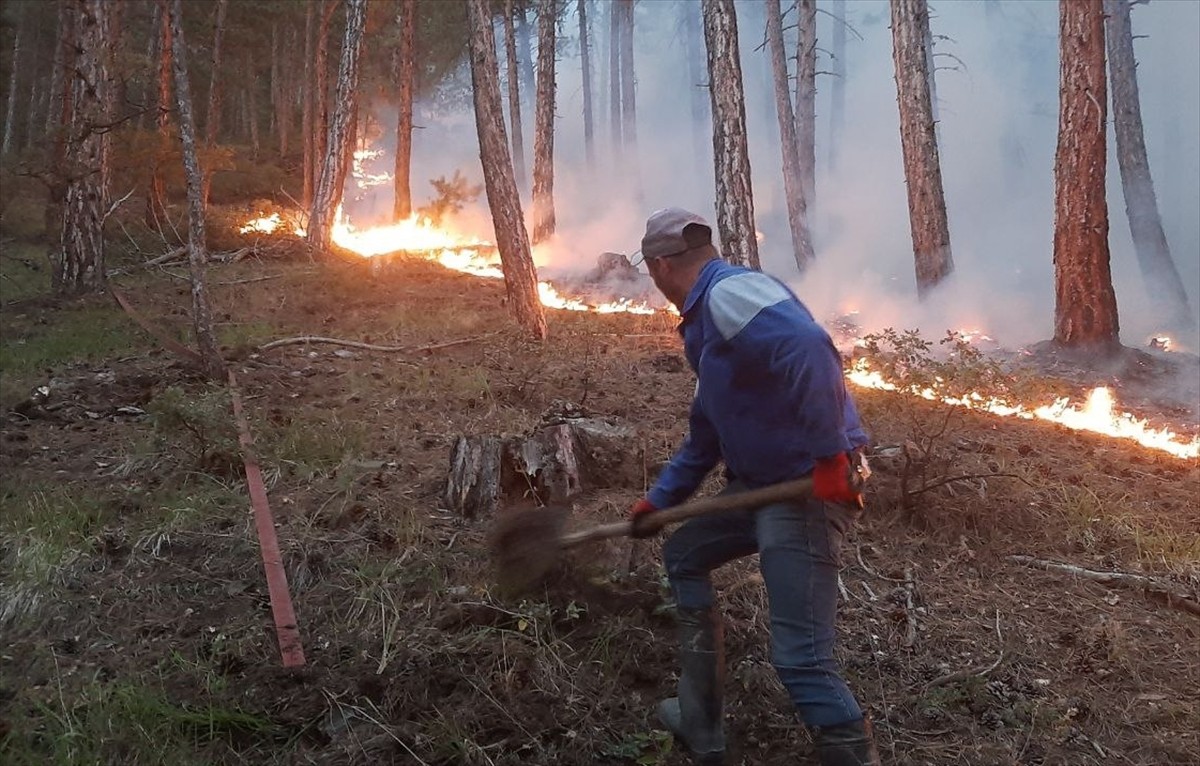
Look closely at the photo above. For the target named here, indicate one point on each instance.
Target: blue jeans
(798, 545)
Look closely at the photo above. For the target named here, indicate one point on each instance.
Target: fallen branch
(1132, 581)
(368, 346)
(251, 279)
(979, 670)
(910, 609)
(967, 477)
(169, 256)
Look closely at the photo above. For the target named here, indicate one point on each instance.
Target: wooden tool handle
(734, 501)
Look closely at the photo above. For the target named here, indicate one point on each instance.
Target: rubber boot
(847, 744)
(695, 716)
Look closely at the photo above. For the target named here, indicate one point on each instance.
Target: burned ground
(136, 626)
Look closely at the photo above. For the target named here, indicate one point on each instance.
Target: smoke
(997, 87)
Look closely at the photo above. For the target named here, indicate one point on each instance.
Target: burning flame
(262, 225)
(1096, 415)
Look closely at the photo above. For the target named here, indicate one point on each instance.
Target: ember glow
(264, 225)
(1096, 415)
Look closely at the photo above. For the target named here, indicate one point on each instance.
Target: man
(772, 404)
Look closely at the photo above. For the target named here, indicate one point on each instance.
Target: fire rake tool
(526, 544)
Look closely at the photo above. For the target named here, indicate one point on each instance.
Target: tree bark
(252, 106)
(406, 20)
(279, 101)
(792, 178)
(525, 51)
(512, 241)
(543, 136)
(628, 94)
(515, 125)
(306, 104)
(731, 156)
(614, 77)
(1158, 269)
(1085, 309)
(212, 120)
(79, 265)
(62, 109)
(321, 115)
(585, 62)
(918, 139)
(806, 99)
(10, 115)
(328, 192)
(202, 322)
(156, 198)
(837, 86)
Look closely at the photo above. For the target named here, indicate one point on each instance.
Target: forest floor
(135, 625)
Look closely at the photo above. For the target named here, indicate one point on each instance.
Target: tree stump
(567, 454)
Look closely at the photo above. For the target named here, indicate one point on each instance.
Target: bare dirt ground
(136, 627)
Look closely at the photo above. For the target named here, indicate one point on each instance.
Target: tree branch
(1125, 579)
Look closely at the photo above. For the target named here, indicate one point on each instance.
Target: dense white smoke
(997, 87)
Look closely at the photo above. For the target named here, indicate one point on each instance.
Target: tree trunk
(10, 116)
(306, 104)
(525, 51)
(79, 265)
(796, 201)
(614, 76)
(57, 78)
(156, 198)
(837, 86)
(202, 322)
(212, 120)
(328, 193)
(731, 156)
(252, 106)
(62, 109)
(628, 95)
(1159, 274)
(585, 61)
(693, 42)
(279, 102)
(543, 136)
(406, 19)
(1085, 309)
(922, 169)
(512, 241)
(806, 99)
(514, 96)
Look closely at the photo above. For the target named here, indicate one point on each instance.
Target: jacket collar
(704, 281)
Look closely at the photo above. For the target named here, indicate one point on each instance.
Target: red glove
(831, 481)
(639, 518)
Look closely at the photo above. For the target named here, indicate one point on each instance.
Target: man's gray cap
(665, 233)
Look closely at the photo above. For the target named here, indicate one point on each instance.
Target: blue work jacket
(770, 398)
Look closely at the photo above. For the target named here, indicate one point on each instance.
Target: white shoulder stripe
(736, 300)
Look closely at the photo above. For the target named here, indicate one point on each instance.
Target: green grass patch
(246, 334)
(314, 446)
(128, 723)
(24, 271)
(87, 334)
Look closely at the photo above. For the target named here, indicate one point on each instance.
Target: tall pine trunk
(512, 241)
(202, 322)
(837, 85)
(918, 139)
(731, 156)
(156, 197)
(1085, 307)
(614, 77)
(585, 62)
(806, 99)
(306, 104)
(406, 20)
(212, 120)
(62, 110)
(543, 135)
(792, 187)
(79, 264)
(252, 106)
(628, 93)
(515, 126)
(1159, 274)
(10, 112)
(328, 191)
